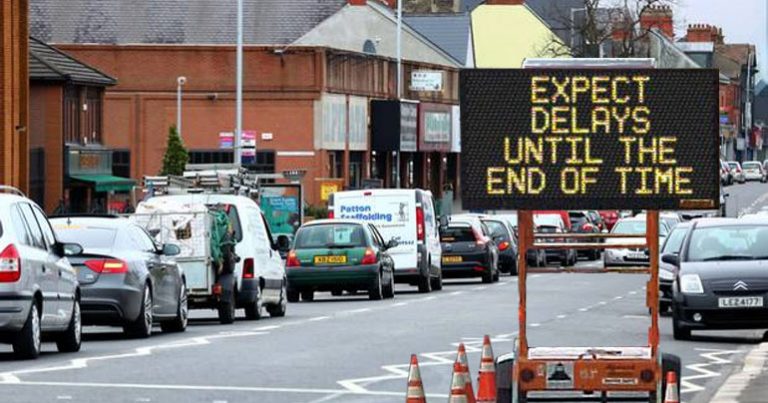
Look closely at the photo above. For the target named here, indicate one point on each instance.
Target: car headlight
(691, 284)
(666, 275)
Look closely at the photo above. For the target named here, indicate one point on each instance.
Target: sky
(742, 21)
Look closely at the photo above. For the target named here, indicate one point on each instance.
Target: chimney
(505, 2)
(659, 17)
(704, 33)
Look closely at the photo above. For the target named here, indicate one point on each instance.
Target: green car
(339, 255)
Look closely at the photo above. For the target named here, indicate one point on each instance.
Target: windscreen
(674, 241)
(330, 236)
(733, 165)
(458, 233)
(632, 228)
(751, 165)
(87, 237)
(747, 242)
(577, 220)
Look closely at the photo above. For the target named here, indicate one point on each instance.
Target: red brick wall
(45, 129)
(14, 90)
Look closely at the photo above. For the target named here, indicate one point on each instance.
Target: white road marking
(263, 328)
(583, 309)
(635, 317)
(64, 397)
(361, 310)
(143, 399)
(736, 383)
(479, 288)
(400, 304)
(535, 324)
(428, 298)
(632, 292)
(703, 371)
(618, 298)
(318, 318)
(536, 276)
(602, 303)
(457, 293)
(561, 316)
(220, 401)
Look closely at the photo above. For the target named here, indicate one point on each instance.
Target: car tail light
(292, 260)
(107, 266)
(504, 246)
(369, 257)
(419, 223)
(330, 214)
(587, 228)
(10, 265)
(248, 271)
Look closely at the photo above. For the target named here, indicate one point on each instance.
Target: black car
(504, 236)
(667, 272)
(722, 281)
(581, 223)
(468, 251)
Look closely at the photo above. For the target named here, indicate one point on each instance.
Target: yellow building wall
(505, 35)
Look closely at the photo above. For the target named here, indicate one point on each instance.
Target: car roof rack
(11, 190)
(84, 215)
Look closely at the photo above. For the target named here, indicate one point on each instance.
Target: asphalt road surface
(350, 349)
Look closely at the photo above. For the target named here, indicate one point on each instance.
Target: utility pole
(180, 81)
(239, 89)
(399, 79)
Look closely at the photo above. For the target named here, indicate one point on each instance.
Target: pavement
(350, 349)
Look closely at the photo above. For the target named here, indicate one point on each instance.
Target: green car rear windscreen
(576, 139)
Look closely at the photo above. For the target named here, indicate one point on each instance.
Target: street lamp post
(180, 81)
(399, 78)
(239, 90)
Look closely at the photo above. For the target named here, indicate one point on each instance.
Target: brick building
(14, 89)
(307, 103)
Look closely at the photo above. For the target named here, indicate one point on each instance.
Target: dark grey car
(125, 279)
(722, 281)
(504, 236)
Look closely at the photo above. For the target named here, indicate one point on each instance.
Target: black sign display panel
(549, 139)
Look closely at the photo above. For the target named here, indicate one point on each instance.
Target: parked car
(670, 218)
(736, 172)
(597, 219)
(405, 214)
(125, 278)
(469, 251)
(634, 256)
(339, 255)
(609, 218)
(753, 171)
(504, 235)
(726, 177)
(583, 224)
(667, 272)
(721, 281)
(553, 224)
(564, 216)
(39, 293)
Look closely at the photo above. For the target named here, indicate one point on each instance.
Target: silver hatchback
(39, 291)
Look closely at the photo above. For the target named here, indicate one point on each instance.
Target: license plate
(452, 259)
(341, 259)
(637, 255)
(740, 302)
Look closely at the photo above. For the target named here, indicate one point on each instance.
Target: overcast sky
(742, 21)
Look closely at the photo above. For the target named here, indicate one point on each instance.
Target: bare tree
(610, 28)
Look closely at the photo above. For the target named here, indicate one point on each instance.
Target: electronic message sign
(590, 139)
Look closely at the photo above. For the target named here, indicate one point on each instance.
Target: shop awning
(107, 183)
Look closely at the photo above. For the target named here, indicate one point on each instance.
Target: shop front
(341, 132)
(439, 145)
(394, 145)
(90, 186)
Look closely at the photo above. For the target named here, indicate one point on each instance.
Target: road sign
(590, 139)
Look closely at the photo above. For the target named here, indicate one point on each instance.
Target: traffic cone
(461, 358)
(458, 385)
(671, 396)
(415, 392)
(486, 377)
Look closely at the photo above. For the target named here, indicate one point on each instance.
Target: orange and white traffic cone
(672, 395)
(458, 385)
(486, 377)
(415, 392)
(461, 358)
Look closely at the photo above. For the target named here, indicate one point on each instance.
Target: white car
(39, 292)
(753, 171)
(631, 257)
(407, 215)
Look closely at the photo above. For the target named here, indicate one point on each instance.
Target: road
(350, 349)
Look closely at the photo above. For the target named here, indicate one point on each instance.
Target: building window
(83, 109)
(71, 115)
(211, 157)
(121, 163)
(265, 162)
(37, 175)
(336, 164)
(93, 114)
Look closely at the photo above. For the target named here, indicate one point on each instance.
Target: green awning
(107, 183)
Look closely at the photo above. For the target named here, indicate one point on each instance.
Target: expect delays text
(617, 108)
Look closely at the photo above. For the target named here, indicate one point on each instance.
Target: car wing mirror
(443, 222)
(392, 243)
(170, 249)
(671, 259)
(283, 243)
(68, 249)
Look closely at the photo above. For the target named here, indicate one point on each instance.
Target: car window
(45, 226)
(674, 241)
(234, 218)
(378, 235)
(89, 237)
(748, 165)
(458, 233)
(330, 236)
(141, 239)
(631, 227)
(270, 239)
(497, 229)
(34, 229)
(731, 242)
(377, 241)
(20, 227)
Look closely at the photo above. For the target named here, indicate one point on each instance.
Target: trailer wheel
(227, 302)
(670, 363)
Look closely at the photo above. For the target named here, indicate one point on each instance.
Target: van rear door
(394, 214)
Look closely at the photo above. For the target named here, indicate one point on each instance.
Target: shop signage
(455, 129)
(426, 80)
(435, 127)
(226, 140)
(82, 161)
(327, 189)
(331, 122)
(358, 123)
(408, 125)
(590, 139)
(394, 125)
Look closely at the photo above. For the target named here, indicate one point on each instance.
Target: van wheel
(437, 282)
(27, 343)
(425, 284)
(70, 340)
(253, 310)
(278, 310)
(141, 328)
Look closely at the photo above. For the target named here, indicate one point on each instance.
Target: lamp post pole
(399, 78)
(239, 89)
(180, 81)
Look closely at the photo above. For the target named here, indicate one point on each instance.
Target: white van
(407, 215)
(259, 276)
